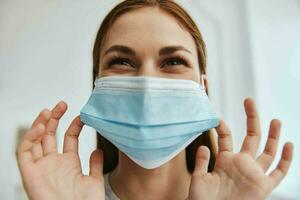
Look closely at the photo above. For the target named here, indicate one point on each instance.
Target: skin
(47, 174)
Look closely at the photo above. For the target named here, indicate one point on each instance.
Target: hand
(47, 174)
(240, 175)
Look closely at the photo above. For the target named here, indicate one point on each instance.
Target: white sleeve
(109, 194)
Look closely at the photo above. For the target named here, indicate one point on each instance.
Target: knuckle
(269, 153)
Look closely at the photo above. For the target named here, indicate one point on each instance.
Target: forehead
(149, 27)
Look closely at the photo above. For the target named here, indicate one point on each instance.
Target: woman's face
(149, 42)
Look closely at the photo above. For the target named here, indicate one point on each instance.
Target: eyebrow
(172, 49)
(163, 51)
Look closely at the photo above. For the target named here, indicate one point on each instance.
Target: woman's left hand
(240, 175)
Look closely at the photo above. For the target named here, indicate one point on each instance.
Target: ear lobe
(204, 82)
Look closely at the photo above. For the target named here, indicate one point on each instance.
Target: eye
(175, 61)
(120, 61)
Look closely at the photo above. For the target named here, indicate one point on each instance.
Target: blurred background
(46, 56)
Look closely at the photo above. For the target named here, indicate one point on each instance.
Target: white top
(109, 194)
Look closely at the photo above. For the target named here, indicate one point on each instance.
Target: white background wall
(46, 56)
(275, 46)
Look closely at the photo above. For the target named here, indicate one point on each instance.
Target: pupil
(174, 62)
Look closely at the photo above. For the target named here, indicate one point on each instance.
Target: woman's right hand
(47, 174)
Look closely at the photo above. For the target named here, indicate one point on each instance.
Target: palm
(232, 170)
(47, 174)
(240, 175)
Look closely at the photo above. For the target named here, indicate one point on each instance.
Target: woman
(138, 30)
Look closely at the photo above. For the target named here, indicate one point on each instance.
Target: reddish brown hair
(174, 9)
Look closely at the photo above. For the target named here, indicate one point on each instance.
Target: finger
(37, 151)
(282, 168)
(49, 140)
(42, 118)
(266, 158)
(71, 136)
(251, 142)
(96, 164)
(24, 152)
(224, 137)
(202, 160)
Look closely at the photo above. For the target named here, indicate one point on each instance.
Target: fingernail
(40, 126)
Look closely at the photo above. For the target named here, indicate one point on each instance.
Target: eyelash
(118, 59)
(179, 59)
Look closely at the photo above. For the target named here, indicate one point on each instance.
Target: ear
(204, 82)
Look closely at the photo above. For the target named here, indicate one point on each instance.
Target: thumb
(202, 160)
(96, 164)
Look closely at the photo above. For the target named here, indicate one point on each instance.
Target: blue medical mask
(150, 119)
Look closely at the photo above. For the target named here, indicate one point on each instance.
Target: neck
(169, 181)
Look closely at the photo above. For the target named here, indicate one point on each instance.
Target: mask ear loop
(202, 80)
